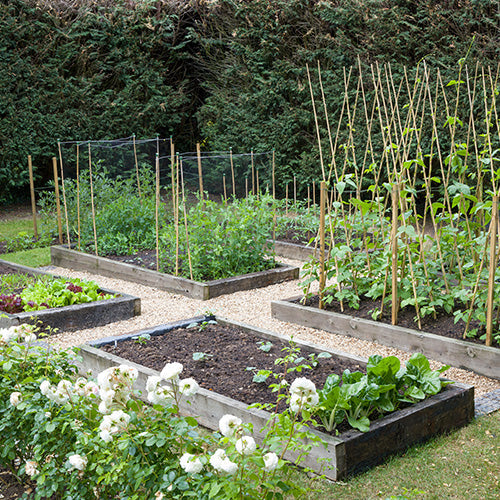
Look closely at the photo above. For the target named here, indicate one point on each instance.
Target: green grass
(36, 257)
(12, 227)
(462, 465)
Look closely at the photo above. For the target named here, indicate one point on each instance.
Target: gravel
(252, 307)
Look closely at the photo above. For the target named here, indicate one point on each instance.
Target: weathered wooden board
(64, 257)
(476, 357)
(293, 251)
(78, 316)
(349, 452)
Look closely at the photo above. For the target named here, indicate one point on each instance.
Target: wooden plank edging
(458, 353)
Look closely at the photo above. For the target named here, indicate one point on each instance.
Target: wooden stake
(64, 195)
(273, 179)
(232, 171)
(257, 179)
(176, 216)
(246, 187)
(33, 200)
(186, 224)
(322, 276)
(92, 201)
(78, 194)
(394, 253)
(200, 173)
(172, 168)
(224, 184)
(137, 168)
(58, 200)
(286, 199)
(294, 192)
(314, 193)
(253, 172)
(492, 269)
(308, 199)
(157, 209)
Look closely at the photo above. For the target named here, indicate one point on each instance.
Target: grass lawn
(462, 465)
(36, 257)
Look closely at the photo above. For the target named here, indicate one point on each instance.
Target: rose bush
(79, 438)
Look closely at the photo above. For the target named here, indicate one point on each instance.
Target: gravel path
(253, 307)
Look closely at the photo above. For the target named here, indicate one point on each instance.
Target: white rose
(191, 463)
(171, 371)
(220, 462)
(228, 425)
(106, 436)
(245, 445)
(270, 461)
(188, 387)
(302, 386)
(45, 387)
(15, 398)
(78, 462)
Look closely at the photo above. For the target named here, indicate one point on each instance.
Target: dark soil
(144, 258)
(230, 352)
(443, 324)
(292, 235)
(10, 488)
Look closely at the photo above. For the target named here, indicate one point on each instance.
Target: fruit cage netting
(223, 173)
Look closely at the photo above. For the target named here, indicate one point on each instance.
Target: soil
(444, 323)
(11, 488)
(297, 237)
(145, 259)
(230, 352)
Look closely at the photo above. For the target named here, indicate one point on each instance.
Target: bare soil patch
(230, 351)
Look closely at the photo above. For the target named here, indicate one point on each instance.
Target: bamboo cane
(176, 215)
(253, 172)
(286, 200)
(78, 195)
(232, 171)
(394, 255)
(157, 209)
(322, 277)
(294, 193)
(33, 200)
(200, 172)
(493, 265)
(316, 123)
(224, 186)
(92, 200)
(273, 176)
(186, 223)
(58, 200)
(137, 168)
(64, 194)
(172, 168)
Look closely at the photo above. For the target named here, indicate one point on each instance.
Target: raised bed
(78, 316)
(62, 256)
(459, 353)
(349, 452)
(294, 251)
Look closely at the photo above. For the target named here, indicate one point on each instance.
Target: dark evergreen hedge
(229, 72)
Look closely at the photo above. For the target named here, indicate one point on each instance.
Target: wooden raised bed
(78, 316)
(459, 353)
(347, 453)
(294, 251)
(62, 256)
